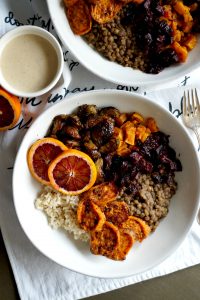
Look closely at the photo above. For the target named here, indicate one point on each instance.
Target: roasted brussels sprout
(102, 131)
(74, 121)
(86, 110)
(56, 125)
(110, 112)
(71, 131)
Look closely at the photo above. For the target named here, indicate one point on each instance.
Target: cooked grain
(153, 201)
(61, 211)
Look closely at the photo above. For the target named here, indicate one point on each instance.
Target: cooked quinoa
(117, 43)
(152, 202)
(61, 210)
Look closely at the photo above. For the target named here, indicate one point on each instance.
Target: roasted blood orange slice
(10, 110)
(72, 172)
(41, 154)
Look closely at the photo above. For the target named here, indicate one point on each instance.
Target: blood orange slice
(10, 110)
(72, 172)
(41, 154)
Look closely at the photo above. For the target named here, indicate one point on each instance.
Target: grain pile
(61, 211)
(153, 200)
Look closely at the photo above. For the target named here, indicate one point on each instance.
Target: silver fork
(191, 117)
(191, 112)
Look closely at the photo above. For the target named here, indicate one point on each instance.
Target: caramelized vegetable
(139, 228)
(125, 245)
(105, 10)
(102, 193)
(106, 240)
(116, 212)
(79, 17)
(89, 215)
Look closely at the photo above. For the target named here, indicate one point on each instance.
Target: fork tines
(189, 108)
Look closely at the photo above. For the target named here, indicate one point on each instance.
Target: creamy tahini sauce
(29, 63)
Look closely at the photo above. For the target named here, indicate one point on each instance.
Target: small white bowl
(50, 42)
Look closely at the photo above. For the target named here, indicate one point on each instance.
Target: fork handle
(197, 135)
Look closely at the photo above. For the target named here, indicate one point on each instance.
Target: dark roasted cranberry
(159, 10)
(168, 57)
(167, 156)
(108, 161)
(141, 163)
(152, 143)
(154, 68)
(129, 14)
(163, 59)
(157, 177)
(170, 179)
(134, 172)
(133, 188)
(164, 28)
(117, 161)
(148, 39)
(125, 180)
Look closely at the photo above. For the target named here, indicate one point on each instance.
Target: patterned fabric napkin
(36, 276)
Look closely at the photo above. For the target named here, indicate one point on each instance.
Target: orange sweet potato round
(106, 240)
(116, 212)
(125, 245)
(79, 17)
(68, 3)
(105, 10)
(89, 215)
(102, 193)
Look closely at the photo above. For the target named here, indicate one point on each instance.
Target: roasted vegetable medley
(122, 145)
(131, 32)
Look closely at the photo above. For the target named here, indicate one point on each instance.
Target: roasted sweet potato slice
(137, 1)
(126, 1)
(125, 245)
(106, 240)
(68, 3)
(121, 119)
(129, 133)
(101, 193)
(123, 149)
(151, 124)
(116, 212)
(139, 227)
(79, 17)
(92, 1)
(89, 215)
(105, 10)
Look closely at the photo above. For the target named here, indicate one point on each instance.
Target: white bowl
(44, 34)
(75, 255)
(106, 69)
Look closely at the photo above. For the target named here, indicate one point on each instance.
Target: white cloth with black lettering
(36, 276)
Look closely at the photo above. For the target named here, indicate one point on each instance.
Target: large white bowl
(75, 255)
(106, 69)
